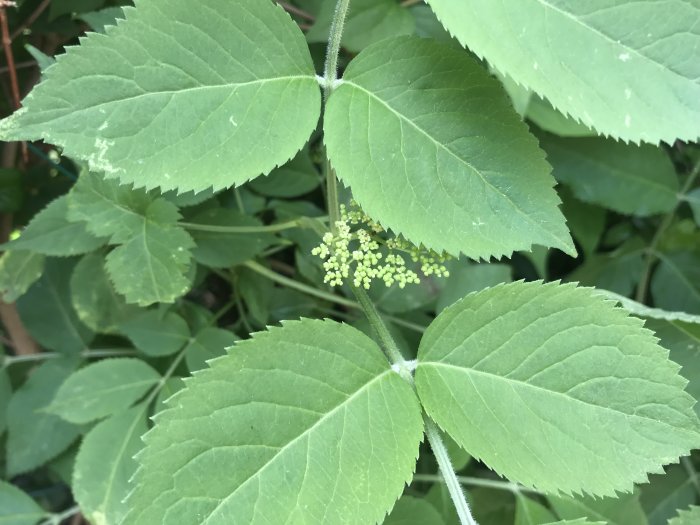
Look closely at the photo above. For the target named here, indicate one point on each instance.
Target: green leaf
(16, 508)
(296, 178)
(602, 64)
(667, 492)
(525, 374)
(99, 20)
(47, 311)
(42, 59)
(51, 233)
(683, 341)
(207, 344)
(622, 510)
(157, 334)
(18, 271)
(542, 113)
(67, 7)
(530, 512)
(676, 282)
(413, 511)
(687, 517)
(635, 180)
(642, 310)
(586, 222)
(297, 424)
(5, 394)
(582, 521)
(151, 267)
(102, 389)
(108, 209)
(233, 82)
(105, 464)
(431, 148)
(224, 250)
(94, 298)
(368, 22)
(35, 436)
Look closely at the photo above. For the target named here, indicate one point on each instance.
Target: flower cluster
(358, 250)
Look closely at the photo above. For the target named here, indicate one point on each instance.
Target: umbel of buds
(360, 250)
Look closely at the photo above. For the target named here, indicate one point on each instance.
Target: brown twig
(22, 342)
(31, 19)
(14, 84)
(296, 11)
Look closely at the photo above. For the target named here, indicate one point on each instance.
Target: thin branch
(12, 70)
(31, 19)
(19, 65)
(409, 3)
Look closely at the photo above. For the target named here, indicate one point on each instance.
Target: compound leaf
(102, 389)
(16, 508)
(105, 464)
(431, 147)
(296, 425)
(603, 64)
(556, 388)
(174, 96)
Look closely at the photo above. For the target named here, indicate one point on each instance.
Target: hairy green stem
(57, 519)
(448, 473)
(330, 79)
(651, 251)
(269, 228)
(375, 320)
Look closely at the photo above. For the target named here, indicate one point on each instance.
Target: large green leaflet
(429, 142)
(18, 271)
(556, 388)
(624, 509)
(626, 67)
(306, 423)
(105, 464)
(180, 98)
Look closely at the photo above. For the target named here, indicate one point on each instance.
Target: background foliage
(115, 293)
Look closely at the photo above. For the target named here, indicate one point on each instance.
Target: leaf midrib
(304, 434)
(471, 167)
(525, 384)
(232, 85)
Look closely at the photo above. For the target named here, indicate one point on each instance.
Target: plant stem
(651, 251)
(476, 482)
(375, 320)
(330, 77)
(87, 354)
(448, 473)
(301, 287)
(57, 519)
(269, 228)
(692, 473)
